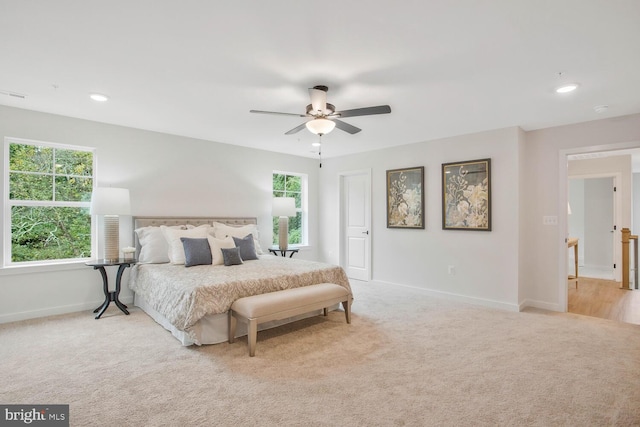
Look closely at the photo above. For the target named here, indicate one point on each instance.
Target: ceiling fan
(324, 117)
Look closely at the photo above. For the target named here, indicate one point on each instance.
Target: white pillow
(176, 249)
(223, 230)
(153, 246)
(216, 248)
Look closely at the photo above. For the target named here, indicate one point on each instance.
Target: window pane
(278, 181)
(72, 162)
(298, 197)
(278, 194)
(46, 233)
(30, 158)
(295, 229)
(24, 186)
(73, 189)
(276, 230)
(293, 183)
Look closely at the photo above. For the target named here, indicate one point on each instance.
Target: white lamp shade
(110, 201)
(284, 206)
(320, 126)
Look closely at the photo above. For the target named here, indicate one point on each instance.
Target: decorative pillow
(196, 251)
(246, 246)
(231, 256)
(223, 230)
(216, 246)
(153, 246)
(176, 250)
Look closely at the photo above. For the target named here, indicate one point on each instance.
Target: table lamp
(111, 202)
(284, 207)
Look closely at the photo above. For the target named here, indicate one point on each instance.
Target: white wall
(545, 175)
(167, 175)
(519, 263)
(635, 223)
(486, 263)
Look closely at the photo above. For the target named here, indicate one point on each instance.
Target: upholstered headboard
(156, 221)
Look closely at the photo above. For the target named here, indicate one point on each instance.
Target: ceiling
(196, 68)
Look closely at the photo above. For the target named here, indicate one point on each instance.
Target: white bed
(192, 302)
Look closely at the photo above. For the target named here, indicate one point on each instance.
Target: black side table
(111, 296)
(283, 252)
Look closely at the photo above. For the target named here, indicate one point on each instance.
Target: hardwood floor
(604, 299)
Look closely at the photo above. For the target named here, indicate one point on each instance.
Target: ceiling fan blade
(277, 113)
(346, 127)
(367, 111)
(296, 129)
(318, 99)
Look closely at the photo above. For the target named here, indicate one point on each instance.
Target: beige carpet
(406, 359)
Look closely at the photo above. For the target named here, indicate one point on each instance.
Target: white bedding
(181, 296)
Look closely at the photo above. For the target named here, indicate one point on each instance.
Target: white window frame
(304, 201)
(7, 204)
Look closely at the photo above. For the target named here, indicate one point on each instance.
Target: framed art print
(466, 195)
(405, 198)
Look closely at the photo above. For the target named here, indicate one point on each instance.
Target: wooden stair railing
(626, 237)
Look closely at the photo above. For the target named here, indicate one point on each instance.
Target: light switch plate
(549, 220)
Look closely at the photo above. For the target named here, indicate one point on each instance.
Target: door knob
(365, 232)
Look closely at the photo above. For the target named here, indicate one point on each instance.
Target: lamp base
(111, 237)
(283, 233)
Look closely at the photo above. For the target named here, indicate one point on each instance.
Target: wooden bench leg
(347, 310)
(326, 311)
(252, 336)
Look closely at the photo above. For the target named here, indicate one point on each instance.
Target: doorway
(597, 185)
(355, 224)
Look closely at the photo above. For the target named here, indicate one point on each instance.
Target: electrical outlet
(452, 270)
(549, 220)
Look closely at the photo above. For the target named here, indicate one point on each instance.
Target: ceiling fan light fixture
(566, 88)
(99, 97)
(320, 126)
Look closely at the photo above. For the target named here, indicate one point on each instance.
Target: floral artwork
(405, 198)
(466, 199)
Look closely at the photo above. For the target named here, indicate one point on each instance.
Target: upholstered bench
(278, 305)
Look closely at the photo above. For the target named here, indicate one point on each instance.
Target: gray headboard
(156, 221)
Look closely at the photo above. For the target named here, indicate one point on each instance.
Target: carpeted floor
(406, 359)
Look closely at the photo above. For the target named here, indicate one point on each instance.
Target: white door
(356, 222)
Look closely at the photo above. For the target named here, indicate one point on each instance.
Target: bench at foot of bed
(283, 304)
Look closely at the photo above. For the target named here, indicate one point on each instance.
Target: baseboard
(541, 305)
(459, 298)
(52, 311)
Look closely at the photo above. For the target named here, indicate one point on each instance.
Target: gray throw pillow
(247, 247)
(196, 251)
(231, 256)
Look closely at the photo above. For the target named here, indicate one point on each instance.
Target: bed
(193, 302)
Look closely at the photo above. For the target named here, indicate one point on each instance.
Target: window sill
(42, 268)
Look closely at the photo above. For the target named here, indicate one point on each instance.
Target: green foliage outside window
(289, 186)
(49, 194)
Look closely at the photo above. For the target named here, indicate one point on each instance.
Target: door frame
(563, 191)
(617, 216)
(342, 222)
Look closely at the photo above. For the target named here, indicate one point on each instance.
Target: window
(287, 184)
(46, 207)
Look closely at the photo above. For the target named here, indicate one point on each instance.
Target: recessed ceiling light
(99, 97)
(569, 87)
